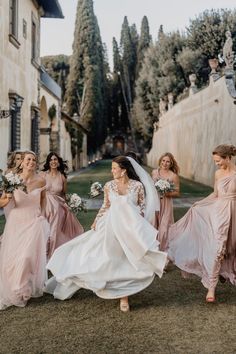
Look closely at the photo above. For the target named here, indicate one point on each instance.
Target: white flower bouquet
(75, 203)
(95, 189)
(10, 182)
(163, 186)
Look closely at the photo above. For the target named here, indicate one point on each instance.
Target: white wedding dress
(119, 258)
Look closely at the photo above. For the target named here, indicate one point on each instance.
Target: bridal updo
(225, 150)
(125, 164)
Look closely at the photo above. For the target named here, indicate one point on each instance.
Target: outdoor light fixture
(5, 113)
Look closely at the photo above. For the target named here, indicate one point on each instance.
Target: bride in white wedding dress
(120, 255)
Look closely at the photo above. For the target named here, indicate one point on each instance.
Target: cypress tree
(144, 42)
(86, 83)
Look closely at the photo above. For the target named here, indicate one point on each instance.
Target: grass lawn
(169, 317)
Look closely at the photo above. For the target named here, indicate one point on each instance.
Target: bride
(120, 255)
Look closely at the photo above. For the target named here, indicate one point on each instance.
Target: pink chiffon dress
(203, 242)
(23, 251)
(64, 226)
(166, 217)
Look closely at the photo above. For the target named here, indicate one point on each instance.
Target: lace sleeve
(141, 199)
(106, 203)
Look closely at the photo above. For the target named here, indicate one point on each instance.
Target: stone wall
(193, 127)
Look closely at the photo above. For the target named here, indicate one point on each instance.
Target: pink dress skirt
(64, 226)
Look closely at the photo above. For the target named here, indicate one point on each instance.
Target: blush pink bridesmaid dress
(203, 242)
(23, 251)
(166, 217)
(64, 226)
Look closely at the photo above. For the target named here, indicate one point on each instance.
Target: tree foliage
(86, 90)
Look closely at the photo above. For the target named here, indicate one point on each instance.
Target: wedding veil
(152, 198)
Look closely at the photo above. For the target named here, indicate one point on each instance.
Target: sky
(57, 34)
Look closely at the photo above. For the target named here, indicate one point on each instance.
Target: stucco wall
(193, 127)
(17, 74)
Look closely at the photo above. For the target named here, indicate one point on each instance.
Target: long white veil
(152, 198)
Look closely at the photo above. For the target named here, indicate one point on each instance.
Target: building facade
(21, 85)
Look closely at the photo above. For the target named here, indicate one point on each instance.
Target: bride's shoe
(124, 306)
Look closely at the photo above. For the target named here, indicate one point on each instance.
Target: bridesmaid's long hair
(11, 162)
(224, 151)
(125, 164)
(62, 164)
(173, 163)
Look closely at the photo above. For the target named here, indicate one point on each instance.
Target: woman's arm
(105, 206)
(141, 199)
(4, 200)
(64, 189)
(176, 192)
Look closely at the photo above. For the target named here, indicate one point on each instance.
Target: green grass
(189, 188)
(169, 317)
(99, 172)
(86, 219)
(2, 223)
(179, 212)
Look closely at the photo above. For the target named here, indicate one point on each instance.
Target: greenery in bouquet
(75, 203)
(96, 189)
(164, 186)
(11, 181)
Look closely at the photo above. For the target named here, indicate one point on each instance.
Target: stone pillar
(193, 87)
(170, 100)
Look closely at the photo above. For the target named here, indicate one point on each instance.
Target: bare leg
(124, 304)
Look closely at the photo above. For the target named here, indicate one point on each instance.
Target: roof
(51, 8)
(65, 116)
(48, 82)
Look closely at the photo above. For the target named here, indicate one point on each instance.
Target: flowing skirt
(203, 242)
(119, 258)
(22, 260)
(64, 226)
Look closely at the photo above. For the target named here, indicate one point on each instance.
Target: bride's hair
(225, 150)
(125, 164)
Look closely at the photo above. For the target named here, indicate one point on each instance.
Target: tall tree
(144, 42)
(86, 83)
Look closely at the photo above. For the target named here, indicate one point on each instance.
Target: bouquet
(164, 185)
(10, 182)
(95, 189)
(75, 203)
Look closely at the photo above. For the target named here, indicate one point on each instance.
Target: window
(34, 38)
(13, 17)
(16, 102)
(35, 129)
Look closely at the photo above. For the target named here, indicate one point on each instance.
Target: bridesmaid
(14, 161)
(203, 242)
(24, 241)
(63, 224)
(168, 169)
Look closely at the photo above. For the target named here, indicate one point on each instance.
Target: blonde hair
(11, 162)
(24, 153)
(225, 150)
(173, 163)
